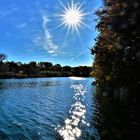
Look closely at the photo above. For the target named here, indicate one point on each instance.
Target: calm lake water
(65, 109)
(47, 109)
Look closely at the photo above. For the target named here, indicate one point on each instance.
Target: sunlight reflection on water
(77, 78)
(71, 129)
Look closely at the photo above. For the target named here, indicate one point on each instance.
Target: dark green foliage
(67, 68)
(13, 67)
(57, 67)
(82, 71)
(45, 65)
(117, 48)
(32, 68)
(41, 69)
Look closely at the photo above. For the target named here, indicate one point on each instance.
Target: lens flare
(72, 16)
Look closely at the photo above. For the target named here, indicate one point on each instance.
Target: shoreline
(43, 77)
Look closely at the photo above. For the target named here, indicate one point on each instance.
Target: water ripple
(71, 129)
(45, 108)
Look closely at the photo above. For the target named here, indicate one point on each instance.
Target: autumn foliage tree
(117, 48)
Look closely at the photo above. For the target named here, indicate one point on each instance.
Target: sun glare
(72, 16)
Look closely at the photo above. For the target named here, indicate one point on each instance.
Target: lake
(65, 109)
(47, 109)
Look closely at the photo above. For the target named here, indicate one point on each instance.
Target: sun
(72, 16)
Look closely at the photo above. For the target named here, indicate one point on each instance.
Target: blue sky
(29, 31)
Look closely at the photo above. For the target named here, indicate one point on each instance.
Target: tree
(3, 67)
(45, 65)
(32, 68)
(48, 65)
(117, 52)
(41, 65)
(57, 67)
(82, 71)
(13, 66)
(2, 57)
(67, 68)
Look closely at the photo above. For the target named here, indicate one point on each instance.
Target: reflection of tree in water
(117, 119)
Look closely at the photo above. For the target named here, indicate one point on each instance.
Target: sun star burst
(72, 16)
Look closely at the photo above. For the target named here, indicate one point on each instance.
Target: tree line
(117, 48)
(41, 69)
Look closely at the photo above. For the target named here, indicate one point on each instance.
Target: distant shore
(20, 76)
(41, 69)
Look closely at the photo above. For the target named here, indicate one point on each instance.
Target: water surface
(47, 109)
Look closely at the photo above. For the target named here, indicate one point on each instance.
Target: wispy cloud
(6, 13)
(37, 41)
(22, 25)
(77, 56)
(48, 41)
